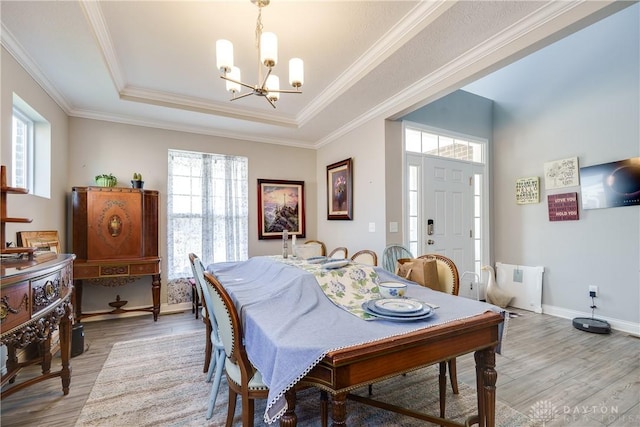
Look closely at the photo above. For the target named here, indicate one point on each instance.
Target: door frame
(484, 169)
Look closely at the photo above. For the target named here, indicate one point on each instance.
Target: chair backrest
(323, 247)
(391, 255)
(447, 273)
(198, 276)
(339, 253)
(230, 327)
(365, 256)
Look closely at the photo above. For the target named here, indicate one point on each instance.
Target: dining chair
(449, 282)
(196, 288)
(323, 247)
(215, 351)
(365, 256)
(391, 254)
(243, 378)
(339, 253)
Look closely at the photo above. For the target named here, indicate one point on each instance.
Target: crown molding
(178, 127)
(16, 50)
(200, 105)
(537, 26)
(418, 18)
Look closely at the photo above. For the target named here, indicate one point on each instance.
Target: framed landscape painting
(280, 207)
(340, 190)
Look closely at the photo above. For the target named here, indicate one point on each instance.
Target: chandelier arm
(237, 81)
(285, 91)
(270, 101)
(264, 82)
(244, 95)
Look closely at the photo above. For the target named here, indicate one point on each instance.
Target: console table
(35, 301)
(115, 239)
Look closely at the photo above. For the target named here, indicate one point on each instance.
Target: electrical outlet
(593, 291)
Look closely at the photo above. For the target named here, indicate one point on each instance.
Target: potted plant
(137, 181)
(106, 180)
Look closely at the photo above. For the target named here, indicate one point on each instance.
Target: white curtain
(207, 209)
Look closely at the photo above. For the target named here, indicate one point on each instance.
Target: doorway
(445, 200)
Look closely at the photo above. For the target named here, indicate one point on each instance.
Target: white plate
(336, 264)
(399, 305)
(316, 259)
(398, 317)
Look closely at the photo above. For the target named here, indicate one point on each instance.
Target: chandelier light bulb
(296, 72)
(234, 74)
(269, 49)
(273, 83)
(224, 55)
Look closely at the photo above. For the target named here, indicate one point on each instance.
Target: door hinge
(470, 181)
(471, 233)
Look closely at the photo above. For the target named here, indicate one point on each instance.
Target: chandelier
(267, 47)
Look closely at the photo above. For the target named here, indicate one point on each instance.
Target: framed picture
(280, 207)
(340, 190)
(41, 240)
(611, 185)
(528, 190)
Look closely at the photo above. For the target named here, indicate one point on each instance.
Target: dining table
(306, 322)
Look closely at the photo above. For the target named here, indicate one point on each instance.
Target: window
(419, 141)
(30, 149)
(22, 150)
(207, 210)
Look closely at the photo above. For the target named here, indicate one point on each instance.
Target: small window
(30, 149)
(22, 150)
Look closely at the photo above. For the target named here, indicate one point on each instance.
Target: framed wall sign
(561, 173)
(563, 207)
(340, 190)
(528, 190)
(280, 207)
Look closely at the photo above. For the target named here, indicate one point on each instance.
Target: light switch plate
(372, 227)
(393, 227)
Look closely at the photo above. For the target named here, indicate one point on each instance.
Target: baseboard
(164, 309)
(617, 324)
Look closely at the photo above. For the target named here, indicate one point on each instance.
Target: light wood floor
(587, 379)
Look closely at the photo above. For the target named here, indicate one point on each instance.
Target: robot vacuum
(592, 325)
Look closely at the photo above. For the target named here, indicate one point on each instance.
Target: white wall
(365, 145)
(585, 104)
(103, 147)
(46, 213)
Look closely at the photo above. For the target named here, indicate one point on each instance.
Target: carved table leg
(339, 410)
(155, 291)
(289, 418)
(486, 377)
(77, 299)
(65, 348)
(45, 351)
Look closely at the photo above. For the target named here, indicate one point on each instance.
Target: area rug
(159, 382)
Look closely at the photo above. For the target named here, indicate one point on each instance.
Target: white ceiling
(153, 62)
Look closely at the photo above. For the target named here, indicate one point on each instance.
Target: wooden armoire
(115, 237)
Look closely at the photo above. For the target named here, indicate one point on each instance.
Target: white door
(448, 211)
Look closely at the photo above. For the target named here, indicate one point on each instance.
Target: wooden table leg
(486, 377)
(339, 410)
(155, 290)
(77, 299)
(289, 418)
(65, 348)
(442, 387)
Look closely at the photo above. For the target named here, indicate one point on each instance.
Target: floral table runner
(347, 287)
